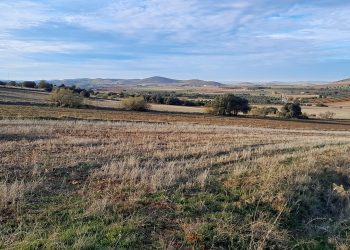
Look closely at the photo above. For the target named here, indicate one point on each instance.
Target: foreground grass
(127, 185)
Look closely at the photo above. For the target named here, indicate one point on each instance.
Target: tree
(172, 100)
(12, 83)
(84, 93)
(135, 103)
(2, 83)
(291, 110)
(66, 98)
(45, 85)
(229, 104)
(29, 84)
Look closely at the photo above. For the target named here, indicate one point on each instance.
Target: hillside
(345, 82)
(337, 84)
(155, 81)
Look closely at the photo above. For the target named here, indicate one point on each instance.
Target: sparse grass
(177, 185)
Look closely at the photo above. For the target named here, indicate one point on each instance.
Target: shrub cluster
(292, 110)
(171, 100)
(228, 104)
(135, 103)
(82, 92)
(45, 85)
(66, 98)
(264, 111)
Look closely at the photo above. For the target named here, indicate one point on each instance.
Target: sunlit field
(177, 185)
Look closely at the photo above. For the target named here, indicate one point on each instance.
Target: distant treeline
(30, 84)
(48, 87)
(172, 100)
(261, 99)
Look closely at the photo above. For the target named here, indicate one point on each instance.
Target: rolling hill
(344, 83)
(337, 84)
(155, 81)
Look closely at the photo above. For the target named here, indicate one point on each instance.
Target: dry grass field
(30, 96)
(44, 113)
(39, 97)
(176, 185)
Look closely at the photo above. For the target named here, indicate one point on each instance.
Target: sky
(221, 40)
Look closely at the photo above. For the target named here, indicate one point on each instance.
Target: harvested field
(33, 112)
(177, 185)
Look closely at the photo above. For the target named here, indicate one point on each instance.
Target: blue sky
(223, 40)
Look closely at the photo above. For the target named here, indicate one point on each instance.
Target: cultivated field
(175, 185)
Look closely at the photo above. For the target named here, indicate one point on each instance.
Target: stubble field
(173, 185)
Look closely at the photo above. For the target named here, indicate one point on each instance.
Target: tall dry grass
(276, 175)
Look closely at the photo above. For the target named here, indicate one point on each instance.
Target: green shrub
(84, 94)
(135, 103)
(66, 98)
(45, 85)
(229, 105)
(292, 110)
(29, 84)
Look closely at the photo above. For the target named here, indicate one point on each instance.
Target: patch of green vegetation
(64, 222)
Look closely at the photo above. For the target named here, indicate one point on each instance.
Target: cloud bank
(219, 40)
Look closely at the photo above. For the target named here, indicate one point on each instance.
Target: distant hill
(336, 84)
(341, 83)
(155, 81)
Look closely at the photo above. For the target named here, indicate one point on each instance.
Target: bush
(2, 83)
(135, 103)
(12, 83)
(45, 85)
(84, 94)
(264, 111)
(29, 84)
(66, 98)
(327, 115)
(291, 110)
(229, 105)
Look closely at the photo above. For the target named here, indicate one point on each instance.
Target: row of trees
(226, 105)
(171, 100)
(30, 84)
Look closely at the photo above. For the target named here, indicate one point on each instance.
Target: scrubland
(172, 185)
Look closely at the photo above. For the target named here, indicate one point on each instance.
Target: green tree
(229, 104)
(45, 85)
(84, 93)
(12, 83)
(291, 110)
(66, 98)
(29, 84)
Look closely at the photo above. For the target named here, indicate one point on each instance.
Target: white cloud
(22, 14)
(21, 47)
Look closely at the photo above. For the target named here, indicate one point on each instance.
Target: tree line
(225, 105)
